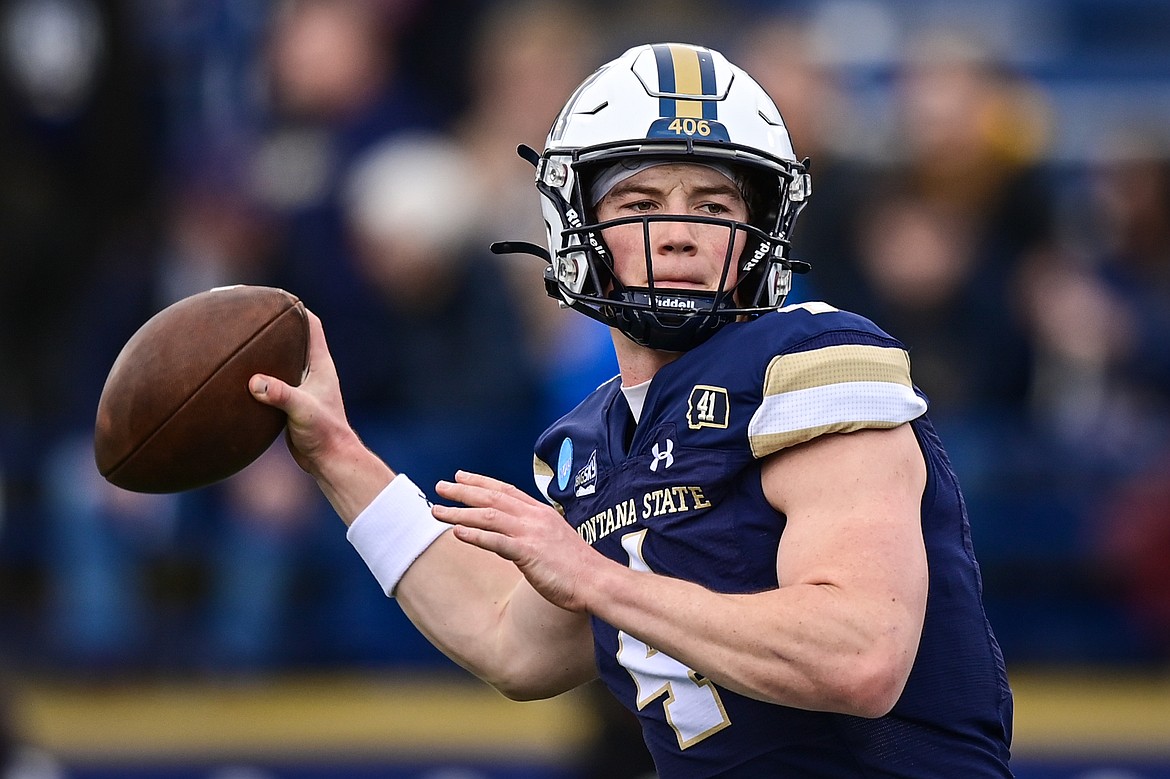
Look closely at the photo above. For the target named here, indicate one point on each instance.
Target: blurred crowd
(361, 154)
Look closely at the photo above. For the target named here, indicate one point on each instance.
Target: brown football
(175, 412)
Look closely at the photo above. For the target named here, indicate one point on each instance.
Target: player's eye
(714, 209)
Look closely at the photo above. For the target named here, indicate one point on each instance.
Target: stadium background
(360, 154)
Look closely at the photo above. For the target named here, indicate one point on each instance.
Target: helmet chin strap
(670, 320)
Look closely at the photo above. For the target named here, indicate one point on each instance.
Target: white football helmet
(683, 103)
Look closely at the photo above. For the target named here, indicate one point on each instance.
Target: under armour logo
(666, 457)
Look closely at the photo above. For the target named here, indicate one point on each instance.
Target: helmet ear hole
(763, 194)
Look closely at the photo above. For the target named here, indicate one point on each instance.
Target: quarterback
(752, 535)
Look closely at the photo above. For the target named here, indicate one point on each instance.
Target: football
(175, 412)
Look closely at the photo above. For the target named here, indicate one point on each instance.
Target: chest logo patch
(707, 407)
(662, 454)
(585, 482)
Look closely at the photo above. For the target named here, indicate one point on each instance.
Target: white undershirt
(636, 397)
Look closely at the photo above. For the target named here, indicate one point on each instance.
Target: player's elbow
(874, 696)
(525, 694)
(518, 692)
(530, 681)
(523, 669)
(873, 685)
(525, 689)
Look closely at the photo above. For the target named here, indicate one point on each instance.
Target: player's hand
(316, 413)
(501, 518)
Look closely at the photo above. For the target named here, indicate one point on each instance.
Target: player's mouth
(681, 284)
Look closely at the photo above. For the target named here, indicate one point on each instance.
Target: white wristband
(394, 530)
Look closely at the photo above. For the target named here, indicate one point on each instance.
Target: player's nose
(671, 237)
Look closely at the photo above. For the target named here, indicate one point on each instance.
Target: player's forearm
(461, 597)
(807, 646)
(479, 611)
(454, 594)
(350, 476)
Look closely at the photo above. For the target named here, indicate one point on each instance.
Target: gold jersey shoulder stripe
(836, 365)
(835, 389)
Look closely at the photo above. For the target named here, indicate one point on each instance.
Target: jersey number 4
(692, 704)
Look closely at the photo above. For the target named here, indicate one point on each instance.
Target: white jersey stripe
(792, 417)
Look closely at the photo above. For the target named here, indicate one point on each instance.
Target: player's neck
(638, 363)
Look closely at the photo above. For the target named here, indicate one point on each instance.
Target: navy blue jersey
(680, 494)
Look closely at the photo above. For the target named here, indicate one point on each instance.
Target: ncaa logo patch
(565, 463)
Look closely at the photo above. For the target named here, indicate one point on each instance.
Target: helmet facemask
(658, 315)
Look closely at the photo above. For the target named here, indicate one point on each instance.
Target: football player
(752, 534)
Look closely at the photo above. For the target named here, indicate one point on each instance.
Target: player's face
(685, 255)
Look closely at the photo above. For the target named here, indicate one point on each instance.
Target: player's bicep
(853, 508)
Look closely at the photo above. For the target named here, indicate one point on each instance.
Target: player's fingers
(495, 485)
(494, 529)
(493, 494)
(271, 391)
(467, 494)
(316, 328)
(484, 518)
(318, 347)
(487, 540)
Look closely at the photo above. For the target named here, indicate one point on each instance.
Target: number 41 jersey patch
(707, 407)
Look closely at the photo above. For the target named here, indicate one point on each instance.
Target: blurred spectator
(930, 285)
(1100, 315)
(439, 376)
(798, 68)
(958, 203)
(970, 134)
(335, 61)
(168, 581)
(967, 138)
(334, 88)
(507, 108)
(441, 333)
(1100, 310)
(76, 163)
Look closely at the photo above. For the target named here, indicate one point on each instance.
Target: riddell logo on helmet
(759, 254)
(676, 303)
(575, 222)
